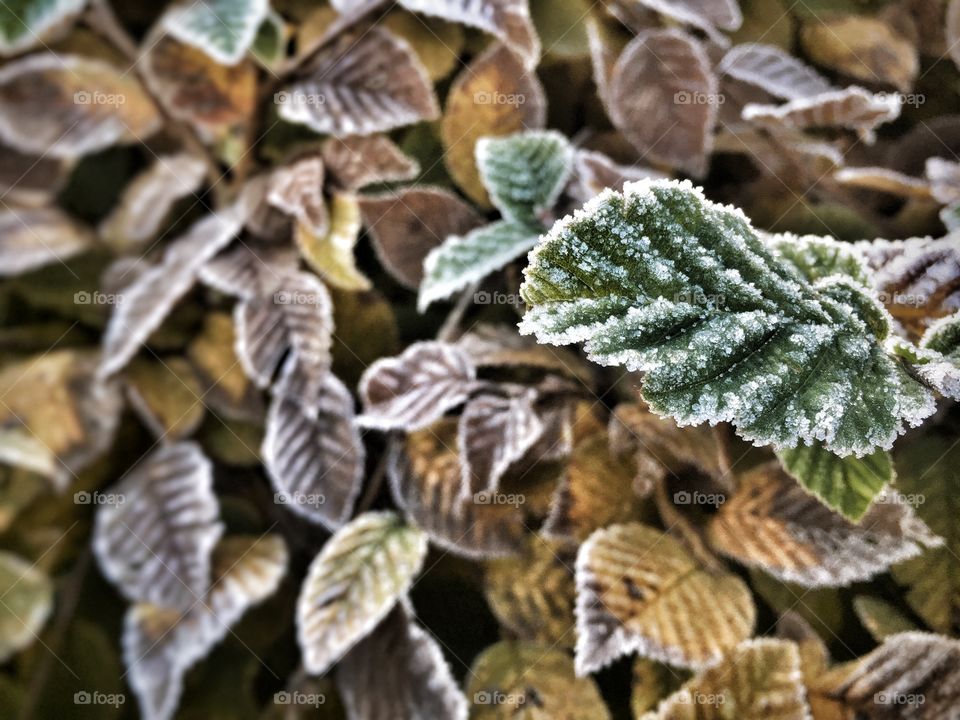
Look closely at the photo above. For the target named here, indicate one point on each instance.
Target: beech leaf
(224, 29)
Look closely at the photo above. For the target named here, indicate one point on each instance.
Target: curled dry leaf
(398, 671)
(639, 590)
(407, 224)
(160, 644)
(774, 524)
(413, 390)
(770, 68)
(33, 237)
(297, 190)
(313, 453)
(331, 253)
(361, 85)
(664, 97)
(27, 601)
(224, 29)
(76, 106)
(426, 479)
(155, 541)
(358, 577)
(358, 161)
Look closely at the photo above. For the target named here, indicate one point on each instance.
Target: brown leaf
(30, 180)
(249, 269)
(703, 14)
(883, 180)
(167, 396)
(297, 190)
(226, 386)
(594, 172)
(773, 70)
(33, 237)
(354, 162)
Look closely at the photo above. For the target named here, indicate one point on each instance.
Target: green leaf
(524, 173)
(354, 583)
(880, 618)
(27, 596)
(661, 280)
(462, 260)
(24, 22)
(224, 29)
(846, 484)
(816, 257)
(938, 357)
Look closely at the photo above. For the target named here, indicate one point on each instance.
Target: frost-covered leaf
(661, 280)
(495, 430)
(160, 644)
(426, 479)
(532, 594)
(524, 173)
(462, 260)
(773, 524)
(664, 98)
(353, 584)
(507, 20)
(639, 590)
(703, 14)
(398, 672)
(880, 618)
(25, 23)
(846, 484)
(249, 270)
(816, 258)
(354, 162)
(361, 85)
(413, 390)
(495, 95)
(313, 453)
(148, 300)
(292, 325)
(147, 201)
(406, 224)
(944, 178)
(331, 253)
(33, 237)
(759, 680)
(167, 396)
(224, 29)
(939, 363)
(772, 69)
(297, 190)
(76, 106)
(154, 542)
(27, 596)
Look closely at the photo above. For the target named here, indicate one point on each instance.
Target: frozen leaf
(407, 224)
(160, 644)
(846, 484)
(155, 540)
(148, 199)
(524, 173)
(355, 162)
(594, 172)
(773, 70)
(527, 681)
(224, 29)
(398, 672)
(353, 584)
(883, 180)
(24, 23)
(249, 270)
(939, 356)
(532, 594)
(361, 85)
(773, 524)
(149, 298)
(944, 178)
(292, 325)
(759, 680)
(331, 253)
(413, 390)
(507, 20)
(494, 432)
(27, 601)
(167, 396)
(297, 190)
(703, 14)
(880, 618)
(313, 453)
(462, 260)
(664, 98)
(76, 106)
(639, 590)
(426, 481)
(492, 97)
(661, 280)
(33, 237)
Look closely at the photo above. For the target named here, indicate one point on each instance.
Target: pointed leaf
(354, 162)
(27, 601)
(249, 270)
(772, 69)
(224, 29)
(33, 237)
(353, 584)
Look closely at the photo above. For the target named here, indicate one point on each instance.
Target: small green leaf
(27, 600)
(880, 618)
(24, 22)
(224, 29)
(661, 280)
(846, 484)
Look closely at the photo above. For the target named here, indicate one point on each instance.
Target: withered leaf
(358, 577)
(413, 390)
(226, 386)
(33, 237)
(883, 180)
(664, 98)
(360, 85)
(249, 270)
(313, 453)
(772, 69)
(167, 396)
(772, 523)
(155, 541)
(297, 190)
(355, 162)
(639, 590)
(703, 14)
